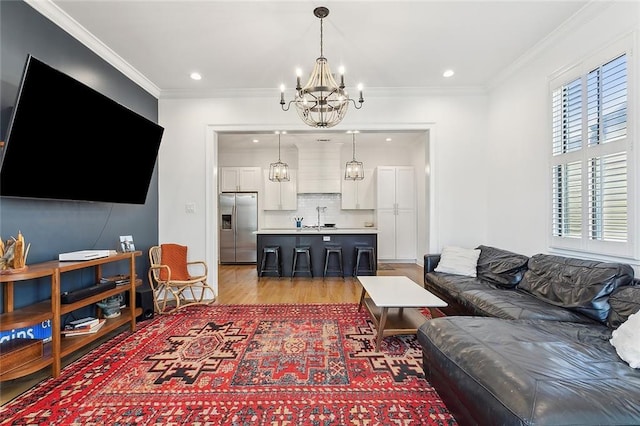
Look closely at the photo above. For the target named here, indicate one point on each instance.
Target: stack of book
(118, 279)
(86, 325)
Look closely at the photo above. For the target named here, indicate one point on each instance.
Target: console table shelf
(53, 309)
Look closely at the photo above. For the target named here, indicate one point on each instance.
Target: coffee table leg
(361, 298)
(381, 323)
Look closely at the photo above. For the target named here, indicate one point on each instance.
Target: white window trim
(624, 252)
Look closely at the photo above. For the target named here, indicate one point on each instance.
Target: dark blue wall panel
(53, 227)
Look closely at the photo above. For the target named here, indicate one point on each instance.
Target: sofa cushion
(454, 285)
(624, 301)
(513, 304)
(529, 372)
(459, 261)
(582, 285)
(501, 267)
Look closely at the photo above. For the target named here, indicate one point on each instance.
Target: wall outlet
(190, 208)
(326, 238)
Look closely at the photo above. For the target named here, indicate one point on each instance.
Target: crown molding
(56, 15)
(375, 92)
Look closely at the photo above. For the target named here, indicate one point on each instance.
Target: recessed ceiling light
(448, 73)
(196, 76)
(256, 141)
(388, 139)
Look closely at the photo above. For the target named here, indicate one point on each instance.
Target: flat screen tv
(66, 141)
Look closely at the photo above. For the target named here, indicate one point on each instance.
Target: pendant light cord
(353, 136)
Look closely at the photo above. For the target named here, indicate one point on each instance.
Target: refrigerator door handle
(233, 218)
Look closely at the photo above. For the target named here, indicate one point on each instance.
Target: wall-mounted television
(67, 141)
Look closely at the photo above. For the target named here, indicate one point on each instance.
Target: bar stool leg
(263, 263)
(296, 252)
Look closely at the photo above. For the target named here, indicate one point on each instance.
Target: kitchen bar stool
(297, 251)
(369, 252)
(337, 252)
(275, 265)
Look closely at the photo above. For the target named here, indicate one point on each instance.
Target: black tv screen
(66, 141)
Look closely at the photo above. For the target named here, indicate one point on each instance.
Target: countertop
(297, 231)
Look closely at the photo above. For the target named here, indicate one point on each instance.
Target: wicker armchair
(171, 280)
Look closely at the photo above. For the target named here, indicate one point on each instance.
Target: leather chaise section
(528, 372)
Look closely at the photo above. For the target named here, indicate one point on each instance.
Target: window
(590, 159)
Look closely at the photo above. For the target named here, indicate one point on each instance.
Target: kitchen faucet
(320, 209)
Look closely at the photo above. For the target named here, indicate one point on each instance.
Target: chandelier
(279, 171)
(322, 102)
(354, 170)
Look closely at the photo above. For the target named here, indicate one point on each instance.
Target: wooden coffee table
(391, 304)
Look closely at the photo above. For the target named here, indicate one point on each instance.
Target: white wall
(518, 147)
(457, 126)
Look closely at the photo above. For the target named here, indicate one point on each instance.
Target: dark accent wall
(53, 227)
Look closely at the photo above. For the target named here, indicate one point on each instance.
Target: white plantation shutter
(567, 196)
(590, 182)
(607, 102)
(567, 118)
(608, 198)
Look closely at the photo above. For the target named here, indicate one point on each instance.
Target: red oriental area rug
(310, 364)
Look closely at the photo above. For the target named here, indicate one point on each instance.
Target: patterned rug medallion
(311, 364)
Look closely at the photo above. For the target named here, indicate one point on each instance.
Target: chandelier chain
(321, 50)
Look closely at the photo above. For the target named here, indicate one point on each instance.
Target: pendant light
(354, 170)
(279, 171)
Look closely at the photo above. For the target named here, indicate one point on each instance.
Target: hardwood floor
(239, 284)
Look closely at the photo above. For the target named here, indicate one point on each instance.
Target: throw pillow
(175, 257)
(626, 340)
(459, 261)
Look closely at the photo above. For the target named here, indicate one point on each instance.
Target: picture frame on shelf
(126, 243)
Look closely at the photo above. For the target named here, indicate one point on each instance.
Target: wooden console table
(53, 309)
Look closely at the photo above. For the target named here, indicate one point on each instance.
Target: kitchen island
(317, 240)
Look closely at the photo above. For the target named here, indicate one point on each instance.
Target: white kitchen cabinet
(280, 195)
(396, 212)
(233, 179)
(359, 194)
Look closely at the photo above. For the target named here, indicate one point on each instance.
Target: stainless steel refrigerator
(238, 221)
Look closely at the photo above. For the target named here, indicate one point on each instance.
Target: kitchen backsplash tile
(307, 204)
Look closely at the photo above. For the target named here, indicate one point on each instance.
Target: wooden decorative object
(13, 254)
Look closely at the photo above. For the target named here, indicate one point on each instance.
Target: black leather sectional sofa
(526, 342)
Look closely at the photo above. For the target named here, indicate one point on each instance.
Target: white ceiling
(254, 46)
